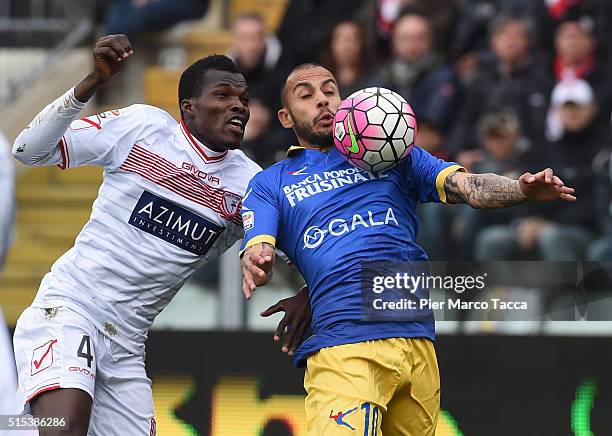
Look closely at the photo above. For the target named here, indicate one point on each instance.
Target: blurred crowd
(7, 199)
(503, 86)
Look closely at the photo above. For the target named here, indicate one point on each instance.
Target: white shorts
(59, 348)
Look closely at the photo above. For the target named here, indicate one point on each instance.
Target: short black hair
(509, 16)
(300, 67)
(192, 79)
(250, 16)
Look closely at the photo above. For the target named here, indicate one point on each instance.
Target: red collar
(580, 72)
(558, 9)
(209, 156)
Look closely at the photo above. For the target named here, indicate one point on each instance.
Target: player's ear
(187, 108)
(284, 116)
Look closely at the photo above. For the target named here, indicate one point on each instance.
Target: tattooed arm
(490, 191)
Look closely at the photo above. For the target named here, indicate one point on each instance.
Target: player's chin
(323, 137)
(234, 143)
(233, 140)
(324, 130)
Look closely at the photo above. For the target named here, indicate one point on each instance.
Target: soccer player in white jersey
(169, 201)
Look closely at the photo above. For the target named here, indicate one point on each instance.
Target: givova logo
(174, 224)
(338, 227)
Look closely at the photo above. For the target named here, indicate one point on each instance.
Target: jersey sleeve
(104, 139)
(260, 212)
(427, 174)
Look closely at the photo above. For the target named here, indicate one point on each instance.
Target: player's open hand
(545, 186)
(257, 262)
(110, 54)
(296, 321)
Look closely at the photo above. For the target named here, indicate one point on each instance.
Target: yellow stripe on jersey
(441, 178)
(293, 149)
(258, 240)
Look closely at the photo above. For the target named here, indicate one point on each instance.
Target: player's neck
(308, 146)
(208, 144)
(322, 149)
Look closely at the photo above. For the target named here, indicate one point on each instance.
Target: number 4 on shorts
(85, 350)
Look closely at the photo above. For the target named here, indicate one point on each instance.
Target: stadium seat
(201, 42)
(272, 10)
(53, 207)
(160, 89)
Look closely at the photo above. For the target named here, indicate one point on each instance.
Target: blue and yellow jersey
(328, 217)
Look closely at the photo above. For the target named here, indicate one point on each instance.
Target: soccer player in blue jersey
(329, 217)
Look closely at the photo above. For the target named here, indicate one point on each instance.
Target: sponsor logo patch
(317, 183)
(338, 227)
(86, 372)
(42, 357)
(248, 220)
(339, 417)
(300, 172)
(230, 206)
(340, 131)
(174, 224)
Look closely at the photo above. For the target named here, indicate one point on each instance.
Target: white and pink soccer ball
(374, 129)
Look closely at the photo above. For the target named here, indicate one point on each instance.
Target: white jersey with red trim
(167, 204)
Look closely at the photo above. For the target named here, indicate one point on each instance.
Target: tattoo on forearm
(483, 190)
(451, 186)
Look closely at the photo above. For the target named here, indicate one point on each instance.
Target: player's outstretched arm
(110, 54)
(257, 263)
(43, 135)
(489, 191)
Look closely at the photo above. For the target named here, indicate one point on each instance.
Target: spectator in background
(7, 198)
(510, 79)
(8, 374)
(386, 13)
(562, 232)
(420, 75)
(575, 129)
(575, 50)
(601, 249)
(441, 14)
(349, 57)
(576, 57)
(557, 12)
(578, 133)
(262, 142)
(307, 24)
(257, 54)
(469, 45)
(504, 151)
(135, 17)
